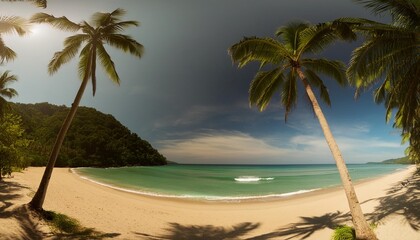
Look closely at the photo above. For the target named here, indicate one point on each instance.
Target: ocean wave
(252, 179)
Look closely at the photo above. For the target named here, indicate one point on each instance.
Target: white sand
(123, 215)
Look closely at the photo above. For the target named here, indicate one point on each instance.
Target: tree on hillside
(287, 61)
(6, 79)
(390, 57)
(11, 142)
(105, 28)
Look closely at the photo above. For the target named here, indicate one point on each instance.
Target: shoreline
(233, 199)
(134, 216)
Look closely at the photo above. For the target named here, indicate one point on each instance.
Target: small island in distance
(95, 139)
(402, 160)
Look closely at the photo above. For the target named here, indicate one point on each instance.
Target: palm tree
(287, 57)
(105, 28)
(389, 57)
(6, 79)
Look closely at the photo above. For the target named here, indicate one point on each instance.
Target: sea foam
(252, 179)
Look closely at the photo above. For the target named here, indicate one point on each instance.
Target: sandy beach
(121, 215)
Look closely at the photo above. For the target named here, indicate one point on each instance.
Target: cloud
(218, 147)
(222, 147)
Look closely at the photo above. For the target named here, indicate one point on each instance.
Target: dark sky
(187, 98)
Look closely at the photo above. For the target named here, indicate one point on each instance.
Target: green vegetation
(289, 58)
(403, 160)
(65, 227)
(344, 233)
(95, 139)
(61, 223)
(12, 143)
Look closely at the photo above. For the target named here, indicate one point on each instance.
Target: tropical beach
(239, 126)
(121, 215)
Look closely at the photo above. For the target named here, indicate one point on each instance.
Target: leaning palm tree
(389, 58)
(104, 28)
(288, 59)
(6, 79)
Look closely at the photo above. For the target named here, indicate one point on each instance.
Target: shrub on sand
(344, 233)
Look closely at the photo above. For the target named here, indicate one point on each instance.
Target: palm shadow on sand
(196, 232)
(30, 222)
(11, 191)
(401, 199)
(306, 227)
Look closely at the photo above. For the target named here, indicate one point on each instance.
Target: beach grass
(61, 223)
(66, 227)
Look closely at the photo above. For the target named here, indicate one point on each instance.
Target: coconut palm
(105, 28)
(6, 79)
(289, 62)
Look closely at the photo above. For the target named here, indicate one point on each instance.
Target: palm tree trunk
(38, 200)
(363, 231)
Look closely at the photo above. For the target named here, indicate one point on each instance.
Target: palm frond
(290, 34)
(104, 19)
(61, 23)
(13, 24)
(38, 3)
(88, 29)
(125, 43)
(5, 79)
(380, 94)
(334, 69)
(389, 52)
(6, 53)
(404, 12)
(265, 50)
(315, 38)
(107, 64)
(316, 81)
(119, 26)
(289, 93)
(85, 62)
(263, 86)
(72, 45)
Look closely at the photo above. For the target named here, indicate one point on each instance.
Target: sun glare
(37, 30)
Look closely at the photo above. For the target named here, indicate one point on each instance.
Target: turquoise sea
(229, 182)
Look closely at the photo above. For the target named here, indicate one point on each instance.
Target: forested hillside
(94, 139)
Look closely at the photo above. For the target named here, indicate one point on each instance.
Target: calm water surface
(229, 182)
